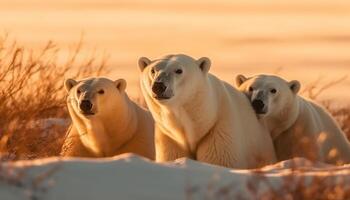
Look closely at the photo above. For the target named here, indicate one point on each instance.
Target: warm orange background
(305, 39)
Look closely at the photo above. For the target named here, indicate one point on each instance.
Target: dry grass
(31, 90)
(297, 185)
(295, 182)
(340, 113)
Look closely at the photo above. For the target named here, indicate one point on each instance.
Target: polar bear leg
(167, 149)
(216, 148)
(73, 147)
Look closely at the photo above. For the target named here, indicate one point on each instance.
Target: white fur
(205, 118)
(299, 127)
(117, 126)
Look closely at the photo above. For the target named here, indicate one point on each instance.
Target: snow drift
(132, 177)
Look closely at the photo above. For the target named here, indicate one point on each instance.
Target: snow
(132, 177)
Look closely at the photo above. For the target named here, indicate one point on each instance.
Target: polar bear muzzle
(161, 86)
(86, 107)
(258, 103)
(158, 89)
(259, 106)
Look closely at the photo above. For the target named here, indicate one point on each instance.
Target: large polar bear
(201, 117)
(105, 121)
(299, 127)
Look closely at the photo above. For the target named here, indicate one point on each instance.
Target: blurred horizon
(302, 40)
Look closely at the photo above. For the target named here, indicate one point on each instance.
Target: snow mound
(132, 177)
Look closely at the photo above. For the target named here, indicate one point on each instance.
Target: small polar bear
(298, 127)
(105, 122)
(201, 117)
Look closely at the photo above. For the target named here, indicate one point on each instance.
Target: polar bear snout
(159, 88)
(259, 106)
(86, 107)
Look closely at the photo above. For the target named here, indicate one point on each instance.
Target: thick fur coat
(201, 117)
(110, 124)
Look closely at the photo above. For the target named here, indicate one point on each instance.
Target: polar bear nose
(258, 106)
(85, 105)
(158, 88)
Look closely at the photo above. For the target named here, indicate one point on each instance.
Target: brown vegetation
(297, 185)
(31, 91)
(340, 113)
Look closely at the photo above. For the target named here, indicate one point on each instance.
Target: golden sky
(305, 39)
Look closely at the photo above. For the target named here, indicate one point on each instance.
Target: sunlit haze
(302, 40)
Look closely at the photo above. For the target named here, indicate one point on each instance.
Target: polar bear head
(94, 96)
(269, 95)
(173, 79)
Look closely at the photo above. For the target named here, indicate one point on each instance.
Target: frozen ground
(131, 177)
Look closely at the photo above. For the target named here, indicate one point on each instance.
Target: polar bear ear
(143, 63)
(69, 84)
(204, 64)
(240, 79)
(294, 86)
(120, 84)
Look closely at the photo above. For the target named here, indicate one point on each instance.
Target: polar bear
(201, 117)
(105, 122)
(298, 127)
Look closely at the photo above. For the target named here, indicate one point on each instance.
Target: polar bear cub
(201, 117)
(299, 127)
(105, 122)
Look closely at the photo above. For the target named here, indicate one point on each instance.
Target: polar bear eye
(251, 89)
(152, 71)
(178, 71)
(273, 91)
(78, 92)
(101, 91)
